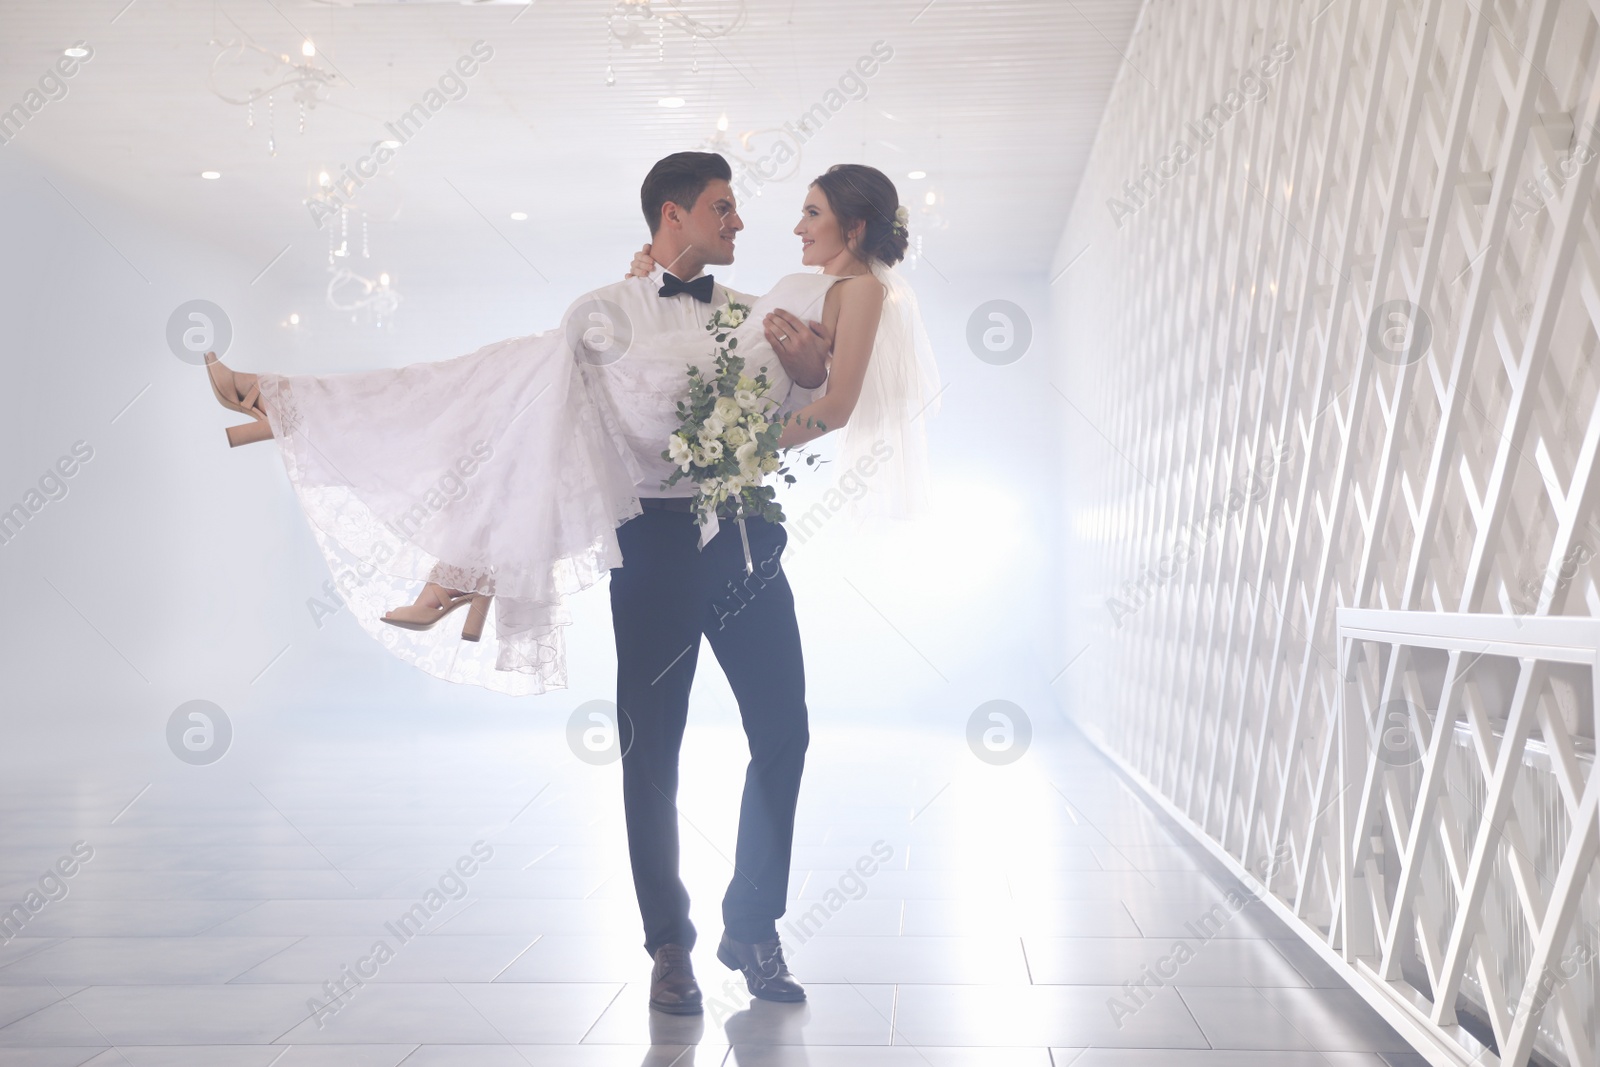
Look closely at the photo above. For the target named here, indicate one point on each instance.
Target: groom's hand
(803, 348)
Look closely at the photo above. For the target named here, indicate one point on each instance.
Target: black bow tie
(700, 288)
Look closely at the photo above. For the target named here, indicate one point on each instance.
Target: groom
(669, 592)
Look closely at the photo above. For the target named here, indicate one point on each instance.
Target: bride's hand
(642, 264)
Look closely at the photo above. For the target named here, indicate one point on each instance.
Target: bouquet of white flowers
(724, 442)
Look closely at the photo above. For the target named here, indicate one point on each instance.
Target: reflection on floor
(274, 908)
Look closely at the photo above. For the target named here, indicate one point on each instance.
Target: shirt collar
(659, 271)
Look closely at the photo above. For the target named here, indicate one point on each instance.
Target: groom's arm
(803, 348)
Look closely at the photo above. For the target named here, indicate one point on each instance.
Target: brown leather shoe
(765, 973)
(672, 985)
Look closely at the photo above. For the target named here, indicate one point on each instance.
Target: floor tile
(924, 960)
(1176, 961)
(144, 960)
(1336, 1020)
(1241, 1018)
(427, 958)
(1146, 1057)
(663, 1055)
(831, 1015)
(894, 1056)
(158, 1015)
(1043, 1015)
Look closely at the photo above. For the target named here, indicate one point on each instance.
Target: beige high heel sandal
(227, 394)
(423, 616)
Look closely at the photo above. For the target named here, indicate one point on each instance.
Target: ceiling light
(294, 318)
(390, 143)
(211, 175)
(323, 179)
(308, 49)
(75, 52)
(722, 123)
(931, 199)
(671, 101)
(917, 175)
(383, 280)
(519, 216)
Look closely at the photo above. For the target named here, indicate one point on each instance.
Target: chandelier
(366, 300)
(765, 155)
(254, 73)
(639, 22)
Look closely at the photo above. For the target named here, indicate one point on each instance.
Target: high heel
(423, 616)
(249, 404)
(477, 615)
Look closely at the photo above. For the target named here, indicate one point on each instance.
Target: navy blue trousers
(666, 594)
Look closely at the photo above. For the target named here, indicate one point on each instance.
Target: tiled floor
(1017, 905)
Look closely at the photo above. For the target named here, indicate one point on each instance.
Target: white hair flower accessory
(901, 218)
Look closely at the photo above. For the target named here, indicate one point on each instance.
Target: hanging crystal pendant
(365, 251)
(611, 75)
(302, 117)
(250, 115)
(272, 127)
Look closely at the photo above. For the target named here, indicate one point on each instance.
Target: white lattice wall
(1329, 296)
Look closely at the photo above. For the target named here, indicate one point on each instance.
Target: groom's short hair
(679, 179)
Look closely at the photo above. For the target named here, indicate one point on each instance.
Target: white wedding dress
(506, 472)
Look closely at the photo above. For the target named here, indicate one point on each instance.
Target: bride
(501, 476)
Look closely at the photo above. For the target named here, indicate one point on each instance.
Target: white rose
(745, 399)
(736, 436)
(711, 429)
(713, 450)
(746, 454)
(746, 382)
(727, 409)
(770, 464)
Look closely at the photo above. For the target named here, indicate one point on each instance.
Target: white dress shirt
(640, 370)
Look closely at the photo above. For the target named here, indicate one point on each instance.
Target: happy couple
(523, 472)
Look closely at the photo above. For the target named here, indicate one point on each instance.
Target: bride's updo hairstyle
(858, 193)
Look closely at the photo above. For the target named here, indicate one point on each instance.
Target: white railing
(1467, 818)
(1329, 301)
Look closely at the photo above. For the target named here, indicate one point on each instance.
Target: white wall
(1336, 511)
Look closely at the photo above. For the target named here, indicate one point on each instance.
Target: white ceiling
(997, 100)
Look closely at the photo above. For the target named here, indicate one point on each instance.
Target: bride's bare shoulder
(858, 291)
